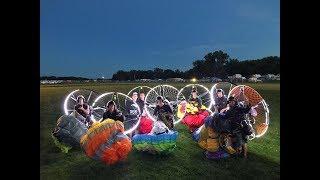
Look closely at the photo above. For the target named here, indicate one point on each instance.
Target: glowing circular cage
(203, 92)
(139, 89)
(71, 100)
(124, 103)
(224, 86)
(169, 93)
(246, 94)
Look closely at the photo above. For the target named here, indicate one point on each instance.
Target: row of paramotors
(98, 140)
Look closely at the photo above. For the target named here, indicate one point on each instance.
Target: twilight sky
(98, 37)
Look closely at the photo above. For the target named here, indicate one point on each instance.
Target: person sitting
(84, 110)
(195, 112)
(236, 114)
(113, 113)
(164, 112)
(220, 101)
(194, 100)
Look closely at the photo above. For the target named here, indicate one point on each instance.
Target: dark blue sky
(94, 38)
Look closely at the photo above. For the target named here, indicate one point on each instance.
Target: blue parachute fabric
(161, 143)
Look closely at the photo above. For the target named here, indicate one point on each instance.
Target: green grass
(187, 161)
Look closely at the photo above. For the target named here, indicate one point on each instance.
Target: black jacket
(115, 115)
(141, 105)
(221, 103)
(236, 115)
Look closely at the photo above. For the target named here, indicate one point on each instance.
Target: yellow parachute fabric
(209, 139)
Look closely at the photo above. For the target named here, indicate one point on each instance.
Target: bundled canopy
(106, 142)
(194, 118)
(217, 145)
(145, 125)
(208, 139)
(68, 132)
(156, 144)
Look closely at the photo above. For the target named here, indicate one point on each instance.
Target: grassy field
(187, 162)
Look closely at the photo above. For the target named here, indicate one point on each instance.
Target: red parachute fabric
(194, 121)
(146, 125)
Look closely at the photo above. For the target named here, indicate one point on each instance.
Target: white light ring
(65, 103)
(144, 92)
(132, 128)
(146, 109)
(210, 95)
(214, 87)
(138, 87)
(153, 89)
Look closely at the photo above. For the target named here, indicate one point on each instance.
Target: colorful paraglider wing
(159, 144)
(260, 115)
(106, 142)
(194, 118)
(68, 132)
(194, 121)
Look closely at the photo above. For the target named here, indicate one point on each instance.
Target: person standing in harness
(164, 113)
(240, 128)
(84, 110)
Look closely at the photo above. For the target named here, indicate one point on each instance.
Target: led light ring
(181, 95)
(215, 87)
(129, 93)
(154, 91)
(65, 104)
(108, 93)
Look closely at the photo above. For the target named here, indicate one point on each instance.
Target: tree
(198, 68)
(214, 64)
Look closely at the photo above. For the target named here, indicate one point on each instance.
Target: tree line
(62, 78)
(214, 64)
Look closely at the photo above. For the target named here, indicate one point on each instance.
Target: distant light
(102, 77)
(193, 80)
